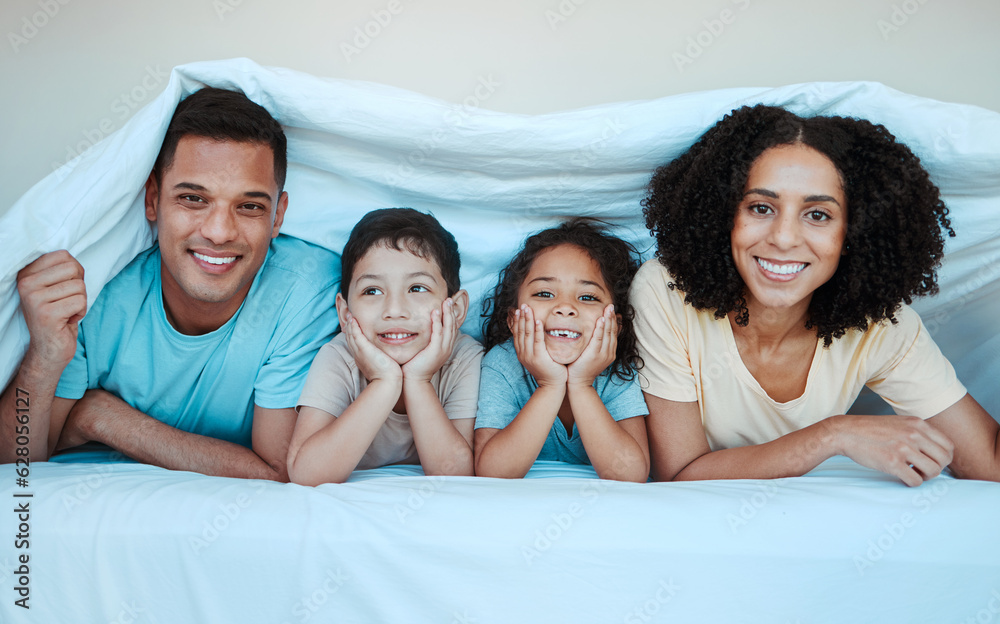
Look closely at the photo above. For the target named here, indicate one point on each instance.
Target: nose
(565, 308)
(219, 225)
(785, 231)
(394, 306)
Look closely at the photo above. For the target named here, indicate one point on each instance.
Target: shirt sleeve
(662, 336)
(909, 371)
(498, 396)
(281, 378)
(460, 383)
(623, 398)
(75, 378)
(330, 384)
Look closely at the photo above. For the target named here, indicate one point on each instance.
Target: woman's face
(789, 230)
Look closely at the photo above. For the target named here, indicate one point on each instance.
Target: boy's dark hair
(399, 229)
(618, 262)
(894, 217)
(223, 115)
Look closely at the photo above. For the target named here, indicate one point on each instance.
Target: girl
(558, 379)
(787, 248)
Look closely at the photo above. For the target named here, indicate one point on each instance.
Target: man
(192, 358)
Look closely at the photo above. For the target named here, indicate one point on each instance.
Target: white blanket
(492, 178)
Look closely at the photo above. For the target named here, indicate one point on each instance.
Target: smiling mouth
(781, 269)
(395, 336)
(563, 333)
(213, 259)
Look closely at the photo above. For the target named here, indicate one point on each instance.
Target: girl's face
(565, 290)
(789, 230)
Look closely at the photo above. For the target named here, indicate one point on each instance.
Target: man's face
(217, 208)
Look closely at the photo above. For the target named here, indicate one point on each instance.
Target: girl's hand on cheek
(529, 342)
(600, 351)
(444, 332)
(372, 361)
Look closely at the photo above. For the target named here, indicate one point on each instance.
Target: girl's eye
(371, 290)
(818, 215)
(543, 294)
(418, 288)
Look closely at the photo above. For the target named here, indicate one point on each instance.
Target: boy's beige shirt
(692, 356)
(334, 382)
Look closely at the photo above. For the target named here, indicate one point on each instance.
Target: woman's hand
(904, 446)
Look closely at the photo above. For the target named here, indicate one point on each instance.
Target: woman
(787, 249)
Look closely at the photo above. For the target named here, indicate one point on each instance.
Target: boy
(400, 383)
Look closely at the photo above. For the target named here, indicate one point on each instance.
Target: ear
(152, 197)
(461, 302)
(342, 311)
(279, 213)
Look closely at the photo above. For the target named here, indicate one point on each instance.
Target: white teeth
(396, 336)
(563, 333)
(781, 269)
(212, 259)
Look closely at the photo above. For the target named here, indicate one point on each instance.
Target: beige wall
(72, 71)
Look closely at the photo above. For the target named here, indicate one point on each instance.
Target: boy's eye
(589, 298)
(419, 288)
(371, 290)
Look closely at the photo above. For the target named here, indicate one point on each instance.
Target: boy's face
(392, 294)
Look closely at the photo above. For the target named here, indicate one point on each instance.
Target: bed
(115, 541)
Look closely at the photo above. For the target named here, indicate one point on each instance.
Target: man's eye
(191, 198)
(371, 290)
(253, 208)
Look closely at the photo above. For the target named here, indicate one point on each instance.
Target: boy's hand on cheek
(430, 359)
(529, 343)
(372, 362)
(600, 351)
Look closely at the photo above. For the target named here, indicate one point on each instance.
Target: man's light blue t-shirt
(209, 384)
(505, 387)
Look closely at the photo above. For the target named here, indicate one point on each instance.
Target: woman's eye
(760, 209)
(371, 290)
(818, 215)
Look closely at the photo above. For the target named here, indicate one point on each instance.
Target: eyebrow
(584, 282)
(808, 198)
(191, 186)
(376, 276)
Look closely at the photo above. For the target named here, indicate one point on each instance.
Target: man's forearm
(26, 413)
(150, 441)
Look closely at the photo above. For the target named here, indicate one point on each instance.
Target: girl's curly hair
(618, 262)
(893, 245)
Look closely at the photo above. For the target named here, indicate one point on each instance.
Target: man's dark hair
(895, 217)
(223, 115)
(403, 229)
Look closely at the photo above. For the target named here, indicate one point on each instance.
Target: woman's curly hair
(895, 214)
(618, 262)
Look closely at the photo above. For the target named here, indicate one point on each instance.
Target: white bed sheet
(111, 542)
